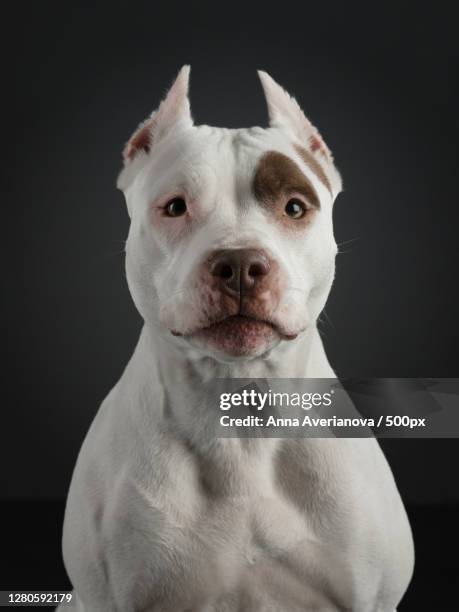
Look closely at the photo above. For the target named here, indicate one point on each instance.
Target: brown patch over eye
(278, 182)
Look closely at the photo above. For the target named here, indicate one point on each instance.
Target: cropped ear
(285, 112)
(174, 111)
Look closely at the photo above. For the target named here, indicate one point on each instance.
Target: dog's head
(231, 246)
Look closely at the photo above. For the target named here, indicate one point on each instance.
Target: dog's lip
(242, 318)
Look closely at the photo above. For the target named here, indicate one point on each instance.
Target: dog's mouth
(239, 324)
(240, 334)
(245, 324)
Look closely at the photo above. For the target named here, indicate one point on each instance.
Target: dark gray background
(379, 82)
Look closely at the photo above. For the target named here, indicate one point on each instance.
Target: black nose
(239, 269)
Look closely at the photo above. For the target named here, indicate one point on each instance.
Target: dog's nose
(239, 269)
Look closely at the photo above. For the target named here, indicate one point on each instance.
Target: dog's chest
(276, 532)
(252, 552)
(247, 545)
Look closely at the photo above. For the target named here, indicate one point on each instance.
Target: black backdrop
(380, 83)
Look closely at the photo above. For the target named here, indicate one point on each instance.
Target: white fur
(158, 517)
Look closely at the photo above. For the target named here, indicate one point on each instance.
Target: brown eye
(175, 208)
(295, 209)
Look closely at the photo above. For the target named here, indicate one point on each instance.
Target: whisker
(320, 322)
(344, 243)
(330, 322)
(347, 241)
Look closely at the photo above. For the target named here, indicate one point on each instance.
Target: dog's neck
(165, 387)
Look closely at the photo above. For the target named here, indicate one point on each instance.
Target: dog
(230, 258)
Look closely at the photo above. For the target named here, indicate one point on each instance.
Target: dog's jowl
(230, 258)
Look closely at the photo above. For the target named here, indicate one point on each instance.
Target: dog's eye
(295, 209)
(175, 208)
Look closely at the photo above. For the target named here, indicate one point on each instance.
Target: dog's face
(231, 246)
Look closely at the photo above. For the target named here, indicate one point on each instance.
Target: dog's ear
(285, 112)
(173, 112)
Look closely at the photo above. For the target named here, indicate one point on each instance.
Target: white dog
(230, 259)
